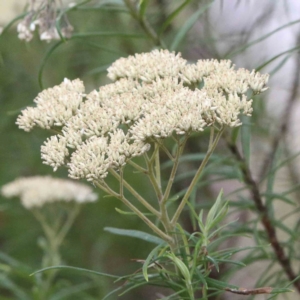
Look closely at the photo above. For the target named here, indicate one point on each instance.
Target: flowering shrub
(155, 97)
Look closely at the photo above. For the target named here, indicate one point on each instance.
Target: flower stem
(196, 178)
(159, 232)
(136, 194)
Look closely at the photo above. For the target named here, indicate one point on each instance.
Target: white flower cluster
(39, 190)
(54, 107)
(43, 13)
(155, 95)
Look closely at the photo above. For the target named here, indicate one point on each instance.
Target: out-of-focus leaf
(143, 6)
(136, 234)
(188, 25)
(74, 289)
(295, 49)
(241, 49)
(172, 16)
(77, 270)
(8, 284)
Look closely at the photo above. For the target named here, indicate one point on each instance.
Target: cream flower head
(155, 95)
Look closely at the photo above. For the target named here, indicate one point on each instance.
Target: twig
(243, 291)
(283, 260)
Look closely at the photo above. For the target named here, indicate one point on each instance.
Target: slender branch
(180, 149)
(138, 167)
(46, 228)
(211, 136)
(136, 194)
(152, 178)
(157, 168)
(243, 291)
(164, 148)
(269, 158)
(262, 209)
(121, 183)
(159, 232)
(196, 178)
(67, 225)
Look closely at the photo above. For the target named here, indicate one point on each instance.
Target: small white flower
(54, 151)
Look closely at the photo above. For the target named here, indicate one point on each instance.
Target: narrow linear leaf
(112, 292)
(188, 25)
(107, 34)
(241, 49)
(275, 57)
(74, 289)
(148, 259)
(8, 284)
(98, 70)
(143, 6)
(172, 16)
(75, 269)
(136, 234)
(44, 61)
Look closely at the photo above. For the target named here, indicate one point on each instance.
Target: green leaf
(8, 284)
(112, 292)
(188, 25)
(214, 262)
(71, 290)
(148, 259)
(241, 49)
(221, 285)
(75, 269)
(234, 134)
(98, 70)
(295, 49)
(107, 34)
(214, 211)
(172, 16)
(136, 234)
(44, 61)
(183, 270)
(143, 6)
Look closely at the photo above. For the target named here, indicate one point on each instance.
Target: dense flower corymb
(155, 95)
(39, 190)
